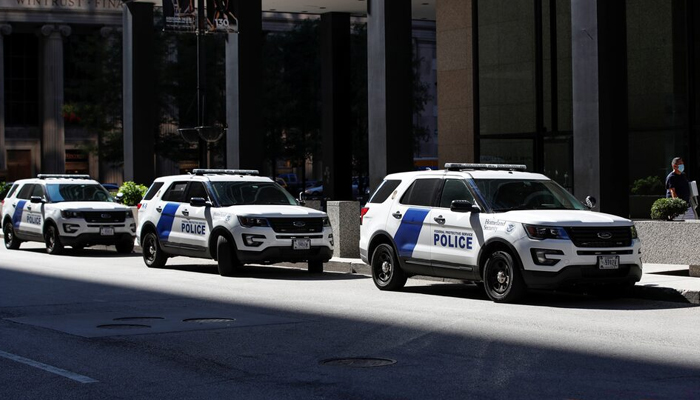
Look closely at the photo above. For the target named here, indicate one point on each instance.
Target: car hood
(274, 211)
(562, 218)
(90, 206)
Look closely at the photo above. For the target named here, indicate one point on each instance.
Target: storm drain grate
(358, 362)
(123, 326)
(208, 320)
(137, 318)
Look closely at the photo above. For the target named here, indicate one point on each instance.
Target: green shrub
(4, 188)
(649, 185)
(668, 209)
(132, 193)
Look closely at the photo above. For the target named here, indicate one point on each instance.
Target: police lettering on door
(454, 240)
(34, 219)
(194, 228)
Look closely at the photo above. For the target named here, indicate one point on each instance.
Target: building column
(140, 127)
(4, 30)
(599, 58)
(389, 88)
(53, 148)
(456, 84)
(245, 139)
(335, 99)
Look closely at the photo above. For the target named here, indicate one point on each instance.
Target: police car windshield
(519, 194)
(247, 193)
(60, 192)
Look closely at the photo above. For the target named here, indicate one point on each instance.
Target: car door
(406, 223)
(167, 208)
(454, 243)
(19, 212)
(34, 212)
(194, 223)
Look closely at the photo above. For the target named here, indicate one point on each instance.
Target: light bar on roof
(63, 176)
(492, 167)
(201, 171)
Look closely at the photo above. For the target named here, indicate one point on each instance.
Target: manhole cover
(123, 326)
(208, 320)
(359, 362)
(137, 318)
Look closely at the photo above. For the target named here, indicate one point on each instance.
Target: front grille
(601, 236)
(104, 216)
(294, 225)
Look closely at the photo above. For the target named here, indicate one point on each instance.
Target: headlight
(633, 231)
(71, 214)
(326, 222)
(249, 222)
(129, 214)
(546, 232)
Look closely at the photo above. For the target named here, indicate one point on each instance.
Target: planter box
(640, 205)
(670, 242)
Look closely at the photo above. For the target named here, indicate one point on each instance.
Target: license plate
(608, 262)
(106, 231)
(301, 244)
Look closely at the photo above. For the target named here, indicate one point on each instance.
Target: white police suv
(65, 210)
(496, 224)
(232, 216)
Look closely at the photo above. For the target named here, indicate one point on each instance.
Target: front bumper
(272, 255)
(582, 275)
(90, 239)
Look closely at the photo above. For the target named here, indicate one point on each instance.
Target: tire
(386, 271)
(502, 280)
(153, 254)
(78, 247)
(11, 241)
(226, 258)
(53, 240)
(316, 267)
(125, 247)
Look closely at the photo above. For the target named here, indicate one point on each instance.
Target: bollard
(345, 219)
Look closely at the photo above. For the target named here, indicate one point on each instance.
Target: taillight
(138, 206)
(363, 211)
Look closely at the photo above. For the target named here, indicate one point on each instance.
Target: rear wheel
(125, 247)
(386, 271)
(316, 267)
(228, 264)
(153, 254)
(502, 279)
(11, 241)
(53, 240)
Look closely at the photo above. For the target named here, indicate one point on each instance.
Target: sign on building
(220, 16)
(181, 16)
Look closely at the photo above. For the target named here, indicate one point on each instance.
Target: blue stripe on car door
(165, 223)
(407, 235)
(17, 216)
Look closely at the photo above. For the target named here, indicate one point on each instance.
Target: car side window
(196, 189)
(455, 189)
(176, 192)
(12, 190)
(155, 187)
(422, 192)
(38, 191)
(26, 192)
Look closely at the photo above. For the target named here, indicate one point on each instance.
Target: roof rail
(64, 176)
(202, 171)
(492, 167)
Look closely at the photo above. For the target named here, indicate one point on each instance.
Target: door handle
(396, 215)
(29, 208)
(14, 204)
(185, 213)
(159, 208)
(439, 219)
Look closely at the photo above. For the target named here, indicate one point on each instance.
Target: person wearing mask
(677, 185)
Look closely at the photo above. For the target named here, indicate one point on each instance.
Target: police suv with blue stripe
(233, 216)
(65, 210)
(497, 225)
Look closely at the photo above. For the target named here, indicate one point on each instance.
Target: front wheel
(153, 254)
(227, 262)
(11, 241)
(125, 247)
(502, 279)
(386, 271)
(53, 240)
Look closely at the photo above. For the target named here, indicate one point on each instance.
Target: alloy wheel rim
(151, 250)
(500, 277)
(386, 269)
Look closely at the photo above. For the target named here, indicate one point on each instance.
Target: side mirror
(199, 202)
(463, 206)
(300, 199)
(590, 202)
(36, 199)
(119, 198)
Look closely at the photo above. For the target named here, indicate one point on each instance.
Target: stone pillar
(140, 126)
(345, 220)
(53, 148)
(245, 139)
(4, 30)
(389, 88)
(456, 86)
(335, 100)
(599, 48)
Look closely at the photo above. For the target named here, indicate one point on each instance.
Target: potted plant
(667, 208)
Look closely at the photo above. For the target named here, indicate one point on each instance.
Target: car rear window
(384, 191)
(12, 190)
(422, 192)
(155, 187)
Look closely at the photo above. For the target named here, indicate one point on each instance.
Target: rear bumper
(582, 275)
(284, 254)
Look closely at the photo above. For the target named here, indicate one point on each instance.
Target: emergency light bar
(200, 171)
(492, 167)
(63, 176)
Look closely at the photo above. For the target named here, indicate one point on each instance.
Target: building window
(21, 80)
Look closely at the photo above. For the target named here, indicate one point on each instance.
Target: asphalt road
(97, 325)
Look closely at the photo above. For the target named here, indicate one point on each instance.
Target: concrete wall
(669, 242)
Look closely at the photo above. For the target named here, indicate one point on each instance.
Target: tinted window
(59, 192)
(197, 190)
(238, 193)
(422, 192)
(26, 192)
(385, 190)
(176, 192)
(455, 189)
(12, 189)
(155, 187)
(38, 191)
(521, 194)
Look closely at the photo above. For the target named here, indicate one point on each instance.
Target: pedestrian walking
(677, 185)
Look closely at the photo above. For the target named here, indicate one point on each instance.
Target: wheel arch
(497, 244)
(146, 228)
(214, 238)
(382, 237)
